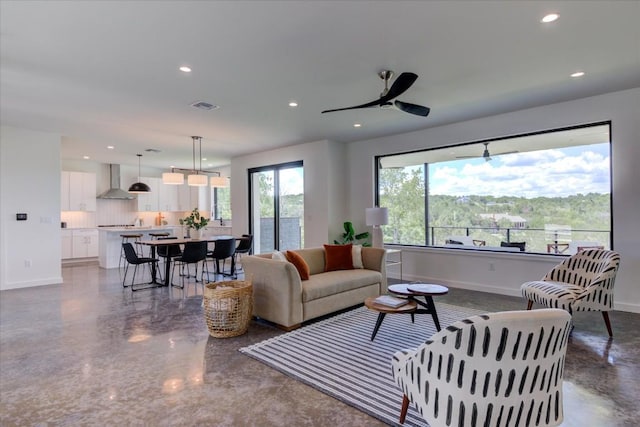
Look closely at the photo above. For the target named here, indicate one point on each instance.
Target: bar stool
(128, 238)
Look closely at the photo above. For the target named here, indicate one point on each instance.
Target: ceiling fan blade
(367, 105)
(418, 110)
(505, 152)
(399, 86)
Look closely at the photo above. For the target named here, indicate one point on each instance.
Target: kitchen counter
(111, 242)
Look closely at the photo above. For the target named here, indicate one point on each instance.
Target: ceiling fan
(399, 86)
(485, 154)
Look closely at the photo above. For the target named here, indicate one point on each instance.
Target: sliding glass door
(277, 207)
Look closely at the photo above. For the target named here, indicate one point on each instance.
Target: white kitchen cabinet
(168, 198)
(78, 191)
(85, 243)
(66, 238)
(187, 198)
(149, 202)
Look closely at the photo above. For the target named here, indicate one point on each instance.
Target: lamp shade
(218, 181)
(377, 216)
(173, 178)
(139, 187)
(198, 180)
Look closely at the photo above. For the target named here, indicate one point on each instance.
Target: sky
(550, 173)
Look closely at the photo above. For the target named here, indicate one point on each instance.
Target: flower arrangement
(194, 220)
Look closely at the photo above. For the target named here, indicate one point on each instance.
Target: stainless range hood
(115, 192)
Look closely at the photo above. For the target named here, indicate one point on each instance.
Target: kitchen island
(111, 242)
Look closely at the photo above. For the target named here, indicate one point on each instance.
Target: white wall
(324, 187)
(473, 270)
(29, 183)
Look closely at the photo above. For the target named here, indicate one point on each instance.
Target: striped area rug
(337, 357)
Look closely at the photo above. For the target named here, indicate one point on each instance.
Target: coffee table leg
(378, 323)
(432, 309)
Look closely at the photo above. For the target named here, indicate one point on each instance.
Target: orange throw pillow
(300, 264)
(338, 257)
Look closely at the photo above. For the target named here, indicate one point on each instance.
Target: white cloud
(533, 174)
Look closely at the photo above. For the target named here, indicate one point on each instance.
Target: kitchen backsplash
(117, 212)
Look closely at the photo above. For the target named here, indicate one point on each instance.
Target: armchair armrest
(277, 290)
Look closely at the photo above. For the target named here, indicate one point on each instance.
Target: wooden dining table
(154, 244)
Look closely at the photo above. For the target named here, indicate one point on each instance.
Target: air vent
(204, 105)
(152, 150)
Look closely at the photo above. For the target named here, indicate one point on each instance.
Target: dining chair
(244, 247)
(132, 258)
(193, 253)
(582, 282)
(169, 251)
(224, 249)
(502, 368)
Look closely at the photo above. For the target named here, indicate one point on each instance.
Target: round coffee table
(383, 310)
(426, 290)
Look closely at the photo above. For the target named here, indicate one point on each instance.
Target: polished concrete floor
(89, 353)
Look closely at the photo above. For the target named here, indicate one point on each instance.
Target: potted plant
(350, 236)
(194, 221)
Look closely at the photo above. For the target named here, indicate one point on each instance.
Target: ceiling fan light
(172, 178)
(197, 180)
(218, 182)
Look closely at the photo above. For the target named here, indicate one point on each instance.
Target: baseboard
(30, 284)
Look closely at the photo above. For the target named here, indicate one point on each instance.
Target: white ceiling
(106, 72)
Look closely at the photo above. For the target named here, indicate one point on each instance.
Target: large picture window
(548, 192)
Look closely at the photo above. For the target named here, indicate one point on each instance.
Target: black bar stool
(128, 238)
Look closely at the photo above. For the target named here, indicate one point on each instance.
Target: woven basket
(228, 307)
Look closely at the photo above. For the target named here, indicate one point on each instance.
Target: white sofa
(281, 297)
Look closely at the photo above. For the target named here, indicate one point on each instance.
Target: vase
(196, 234)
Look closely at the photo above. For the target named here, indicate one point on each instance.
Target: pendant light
(218, 182)
(173, 177)
(198, 179)
(139, 187)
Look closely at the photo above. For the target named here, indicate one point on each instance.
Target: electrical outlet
(27, 263)
(492, 267)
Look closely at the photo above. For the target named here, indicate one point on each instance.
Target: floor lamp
(376, 217)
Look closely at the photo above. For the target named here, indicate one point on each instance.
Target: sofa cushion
(334, 282)
(338, 257)
(299, 263)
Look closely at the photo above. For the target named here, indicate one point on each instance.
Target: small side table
(383, 310)
(426, 290)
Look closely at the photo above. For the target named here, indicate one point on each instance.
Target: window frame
(377, 162)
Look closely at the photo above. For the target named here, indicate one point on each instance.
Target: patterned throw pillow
(356, 256)
(300, 264)
(338, 257)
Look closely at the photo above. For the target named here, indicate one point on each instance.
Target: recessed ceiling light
(550, 18)
(86, 157)
(293, 104)
(110, 147)
(357, 125)
(204, 158)
(185, 69)
(578, 74)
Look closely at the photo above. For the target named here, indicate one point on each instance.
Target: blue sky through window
(557, 172)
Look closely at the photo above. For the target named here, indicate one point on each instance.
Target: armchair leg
(605, 314)
(529, 305)
(405, 407)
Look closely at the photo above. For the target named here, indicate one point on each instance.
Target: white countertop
(143, 228)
